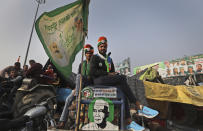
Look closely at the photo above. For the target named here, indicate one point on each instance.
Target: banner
(123, 67)
(62, 33)
(183, 94)
(178, 67)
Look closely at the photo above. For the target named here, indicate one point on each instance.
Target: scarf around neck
(106, 61)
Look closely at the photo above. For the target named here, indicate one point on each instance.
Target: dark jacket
(98, 67)
(35, 71)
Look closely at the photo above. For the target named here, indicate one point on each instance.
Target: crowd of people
(34, 70)
(97, 69)
(12, 77)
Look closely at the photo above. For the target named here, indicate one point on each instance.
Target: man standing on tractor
(103, 73)
(89, 51)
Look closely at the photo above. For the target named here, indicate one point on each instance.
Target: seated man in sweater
(103, 73)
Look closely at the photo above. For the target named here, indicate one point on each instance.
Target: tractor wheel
(26, 100)
(184, 114)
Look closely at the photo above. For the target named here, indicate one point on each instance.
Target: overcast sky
(147, 31)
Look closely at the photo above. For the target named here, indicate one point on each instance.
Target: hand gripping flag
(62, 33)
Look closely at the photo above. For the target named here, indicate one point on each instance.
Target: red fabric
(49, 73)
(102, 38)
(88, 48)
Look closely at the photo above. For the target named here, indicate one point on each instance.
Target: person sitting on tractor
(13, 78)
(49, 74)
(17, 68)
(88, 50)
(35, 71)
(25, 68)
(103, 73)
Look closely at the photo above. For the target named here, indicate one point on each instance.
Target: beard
(103, 52)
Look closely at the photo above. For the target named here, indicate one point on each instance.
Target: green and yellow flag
(62, 33)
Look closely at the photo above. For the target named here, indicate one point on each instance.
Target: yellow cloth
(183, 94)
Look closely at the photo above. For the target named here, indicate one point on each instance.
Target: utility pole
(28, 47)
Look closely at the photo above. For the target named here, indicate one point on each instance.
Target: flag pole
(28, 47)
(79, 93)
(77, 122)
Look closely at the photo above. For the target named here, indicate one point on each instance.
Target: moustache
(57, 51)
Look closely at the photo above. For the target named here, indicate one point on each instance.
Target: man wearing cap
(103, 73)
(89, 50)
